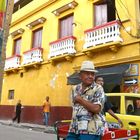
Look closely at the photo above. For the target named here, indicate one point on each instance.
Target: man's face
(138, 103)
(87, 77)
(19, 101)
(47, 98)
(100, 81)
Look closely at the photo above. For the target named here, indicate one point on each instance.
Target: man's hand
(120, 122)
(78, 99)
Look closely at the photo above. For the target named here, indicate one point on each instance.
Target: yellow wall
(35, 85)
(50, 80)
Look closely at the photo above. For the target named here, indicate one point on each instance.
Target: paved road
(12, 133)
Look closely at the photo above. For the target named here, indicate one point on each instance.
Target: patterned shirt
(83, 121)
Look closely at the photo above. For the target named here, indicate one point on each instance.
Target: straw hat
(88, 66)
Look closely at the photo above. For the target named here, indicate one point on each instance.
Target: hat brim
(89, 70)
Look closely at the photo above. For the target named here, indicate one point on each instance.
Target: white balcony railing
(62, 46)
(109, 32)
(32, 56)
(12, 62)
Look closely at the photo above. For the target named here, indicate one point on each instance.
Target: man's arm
(94, 108)
(114, 116)
(50, 106)
(43, 106)
(15, 108)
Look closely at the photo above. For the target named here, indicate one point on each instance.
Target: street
(13, 133)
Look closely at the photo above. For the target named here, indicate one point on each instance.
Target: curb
(30, 127)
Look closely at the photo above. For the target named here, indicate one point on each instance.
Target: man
(46, 110)
(107, 106)
(88, 100)
(137, 107)
(17, 110)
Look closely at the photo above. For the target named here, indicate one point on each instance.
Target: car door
(115, 101)
(131, 117)
(124, 107)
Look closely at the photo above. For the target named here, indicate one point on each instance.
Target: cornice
(112, 62)
(118, 61)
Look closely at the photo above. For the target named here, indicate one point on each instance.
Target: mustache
(89, 78)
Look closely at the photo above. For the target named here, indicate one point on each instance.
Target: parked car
(127, 107)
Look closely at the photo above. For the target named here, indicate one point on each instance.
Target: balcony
(18, 4)
(12, 63)
(33, 56)
(101, 35)
(62, 47)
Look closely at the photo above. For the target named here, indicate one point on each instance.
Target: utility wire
(126, 8)
(114, 7)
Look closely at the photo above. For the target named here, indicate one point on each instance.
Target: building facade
(48, 41)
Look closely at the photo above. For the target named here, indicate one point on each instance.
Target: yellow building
(49, 39)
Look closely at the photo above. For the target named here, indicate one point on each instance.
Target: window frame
(115, 103)
(39, 45)
(131, 101)
(11, 94)
(68, 17)
(108, 17)
(15, 46)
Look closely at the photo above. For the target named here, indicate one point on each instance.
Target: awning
(112, 75)
(73, 79)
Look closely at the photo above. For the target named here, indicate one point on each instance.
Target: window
(66, 28)
(132, 105)
(104, 12)
(115, 101)
(11, 94)
(37, 38)
(17, 46)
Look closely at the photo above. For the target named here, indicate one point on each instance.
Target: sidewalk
(36, 127)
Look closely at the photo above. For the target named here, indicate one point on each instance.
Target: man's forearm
(88, 105)
(112, 114)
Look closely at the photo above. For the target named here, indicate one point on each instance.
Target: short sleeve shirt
(46, 106)
(107, 105)
(83, 121)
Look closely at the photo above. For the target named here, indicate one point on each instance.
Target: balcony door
(104, 12)
(37, 38)
(66, 28)
(17, 46)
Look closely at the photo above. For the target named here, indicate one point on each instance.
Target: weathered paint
(51, 79)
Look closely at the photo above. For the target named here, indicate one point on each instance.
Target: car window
(115, 101)
(132, 106)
